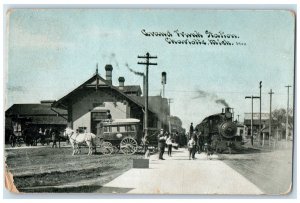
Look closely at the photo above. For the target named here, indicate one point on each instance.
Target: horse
(78, 138)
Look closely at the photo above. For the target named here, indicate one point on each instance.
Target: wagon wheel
(106, 150)
(140, 149)
(115, 150)
(128, 145)
(106, 144)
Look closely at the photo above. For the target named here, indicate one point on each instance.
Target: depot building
(88, 104)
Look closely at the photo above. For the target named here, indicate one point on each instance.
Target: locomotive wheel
(128, 145)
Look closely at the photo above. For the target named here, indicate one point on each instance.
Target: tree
(279, 119)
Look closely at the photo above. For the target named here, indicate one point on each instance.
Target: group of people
(196, 143)
(31, 135)
(165, 139)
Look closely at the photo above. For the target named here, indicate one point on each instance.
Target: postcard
(149, 101)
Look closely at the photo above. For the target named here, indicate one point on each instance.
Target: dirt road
(270, 171)
(56, 170)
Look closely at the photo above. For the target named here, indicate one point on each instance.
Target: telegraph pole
(287, 113)
(147, 64)
(170, 100)
(260, 112)
(251, 97)
(270, 117)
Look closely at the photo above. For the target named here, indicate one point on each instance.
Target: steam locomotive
(218, 132)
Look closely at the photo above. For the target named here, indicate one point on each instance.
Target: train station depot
(88, 104)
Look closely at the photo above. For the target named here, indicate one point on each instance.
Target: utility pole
(270, 117)
(163, 82)
(260, 134)
(170, 100)
(147, 64)
(97, 79)
(287, 114)
(251, 97)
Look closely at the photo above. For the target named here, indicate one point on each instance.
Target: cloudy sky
(51, 52)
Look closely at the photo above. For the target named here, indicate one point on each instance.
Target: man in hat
(108, 115)
(161, 144)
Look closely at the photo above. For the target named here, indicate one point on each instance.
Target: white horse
(78, 138)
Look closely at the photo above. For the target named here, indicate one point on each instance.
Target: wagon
(125, 135)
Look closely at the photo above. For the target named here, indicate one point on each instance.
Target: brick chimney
(108, 69)
(121, 83)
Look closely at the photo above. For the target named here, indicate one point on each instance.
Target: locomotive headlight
(228, 115)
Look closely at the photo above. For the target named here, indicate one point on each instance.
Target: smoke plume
(113, 59)
(211, 96)
(222, 101)
(133, 71)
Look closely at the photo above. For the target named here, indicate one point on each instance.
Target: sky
(51, 52)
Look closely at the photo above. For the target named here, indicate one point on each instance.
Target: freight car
(218, 132)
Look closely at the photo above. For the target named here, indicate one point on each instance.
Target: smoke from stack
(113, 59)
(222, 101)
(133, 71)
(211, 96)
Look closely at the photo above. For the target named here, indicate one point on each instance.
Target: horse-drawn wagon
(123, 134)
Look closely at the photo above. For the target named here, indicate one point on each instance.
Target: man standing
(108, 115)
(53, 134)
(161, 144)
(191, 146)
(191, 130)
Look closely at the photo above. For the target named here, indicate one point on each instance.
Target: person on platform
(54, 136)
(196, 144)
(191, 147)
(191, 130)
(169, 144)
(108, 115)
(161, 144)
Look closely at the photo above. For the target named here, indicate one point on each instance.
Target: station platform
(179, 175)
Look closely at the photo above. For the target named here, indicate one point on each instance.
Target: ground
(43, 169)
(270, 170)
(56, 170)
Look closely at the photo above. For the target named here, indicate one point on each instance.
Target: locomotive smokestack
(108, 69)
(227, 109)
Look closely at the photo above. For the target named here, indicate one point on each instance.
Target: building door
(97, 117)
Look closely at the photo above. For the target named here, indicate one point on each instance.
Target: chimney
(121, 83)
(108, 69)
